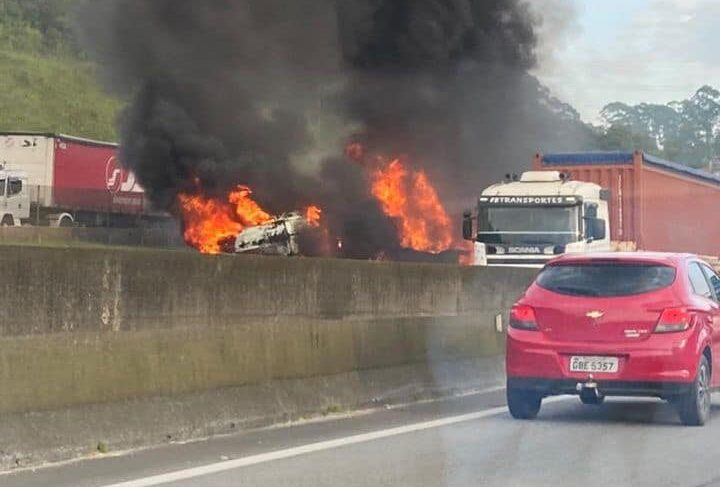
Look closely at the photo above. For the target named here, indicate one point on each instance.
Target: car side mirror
(468, 226)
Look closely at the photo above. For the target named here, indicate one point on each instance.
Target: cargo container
(653, 204)
(59, 180)
(595, 202)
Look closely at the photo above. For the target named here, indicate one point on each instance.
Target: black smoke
(226, 92)
(446, 82)
(218, 91)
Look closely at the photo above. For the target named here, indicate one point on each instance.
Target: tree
(686, 130)
(44, 25)
(701, 114)
(621, 137)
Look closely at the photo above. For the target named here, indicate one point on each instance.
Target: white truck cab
(14, 198)
(525, 221)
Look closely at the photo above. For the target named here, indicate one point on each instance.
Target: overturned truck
(281, 236)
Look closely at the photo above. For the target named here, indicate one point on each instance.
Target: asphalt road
(464, 442)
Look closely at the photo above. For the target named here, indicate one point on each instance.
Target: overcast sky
(599, 51)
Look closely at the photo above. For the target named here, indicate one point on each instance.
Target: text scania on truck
(594, 202)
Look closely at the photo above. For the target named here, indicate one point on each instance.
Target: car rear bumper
(658, 360)
(552, 387)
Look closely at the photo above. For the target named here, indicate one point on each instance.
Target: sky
(599, 51)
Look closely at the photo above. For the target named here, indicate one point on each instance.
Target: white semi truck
(595, 201)
(528, 220)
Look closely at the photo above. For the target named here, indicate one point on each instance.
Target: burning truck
(281, 236)
(238, 224)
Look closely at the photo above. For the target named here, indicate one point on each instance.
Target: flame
(312, 215)
(246, 209)
(209, 221)
(408, 197)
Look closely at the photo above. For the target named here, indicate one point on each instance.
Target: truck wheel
(694, 407)
(65, 221)
(523, 404)
(7, 221)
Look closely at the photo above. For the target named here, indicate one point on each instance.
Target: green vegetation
(54, 95)
(46, 83)
(686, 131)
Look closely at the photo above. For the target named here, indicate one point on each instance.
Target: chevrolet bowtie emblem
(594, 314)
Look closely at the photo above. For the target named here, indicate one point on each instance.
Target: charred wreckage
(281, 236)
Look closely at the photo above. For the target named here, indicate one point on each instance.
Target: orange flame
(312, 215)
(246, 209)
(410, 198)
(209, 221)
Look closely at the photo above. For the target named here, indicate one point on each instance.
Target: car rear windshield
(605, 279)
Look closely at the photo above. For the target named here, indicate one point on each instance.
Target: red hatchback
(617, 324)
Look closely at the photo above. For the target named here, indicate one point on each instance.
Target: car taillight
(522, 317)
(673, 320)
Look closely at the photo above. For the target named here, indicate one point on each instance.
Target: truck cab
(14, 198)
(525, 221)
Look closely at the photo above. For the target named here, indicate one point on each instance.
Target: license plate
(594, 365)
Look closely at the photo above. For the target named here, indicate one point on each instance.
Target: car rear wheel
(694, 407)
(523, 404)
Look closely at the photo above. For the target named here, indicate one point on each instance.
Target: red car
(617, 324)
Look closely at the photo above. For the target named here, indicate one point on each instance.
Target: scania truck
(594, 202)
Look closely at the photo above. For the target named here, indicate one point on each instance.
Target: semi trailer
(594, 202)
(60, 180)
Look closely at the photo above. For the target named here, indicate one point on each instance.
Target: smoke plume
(227, 92)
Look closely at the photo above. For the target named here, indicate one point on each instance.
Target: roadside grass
(54, 94)
(332, 409)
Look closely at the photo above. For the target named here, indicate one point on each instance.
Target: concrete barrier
(140, 347)
(161, 235)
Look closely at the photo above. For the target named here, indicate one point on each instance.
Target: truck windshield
(529, 225)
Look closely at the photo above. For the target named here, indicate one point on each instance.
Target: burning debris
(224, 93)
(280, 236)
(238, 224)
(210, 221)
(410, 200)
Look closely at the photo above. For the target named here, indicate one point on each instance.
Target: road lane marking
(459, 395)
(226, 465)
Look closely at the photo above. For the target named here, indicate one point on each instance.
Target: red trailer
(69, 180)
(655, 204)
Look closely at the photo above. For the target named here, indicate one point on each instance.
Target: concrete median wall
(161, 235)
(138, 347)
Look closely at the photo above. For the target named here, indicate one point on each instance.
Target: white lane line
(311, 448)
